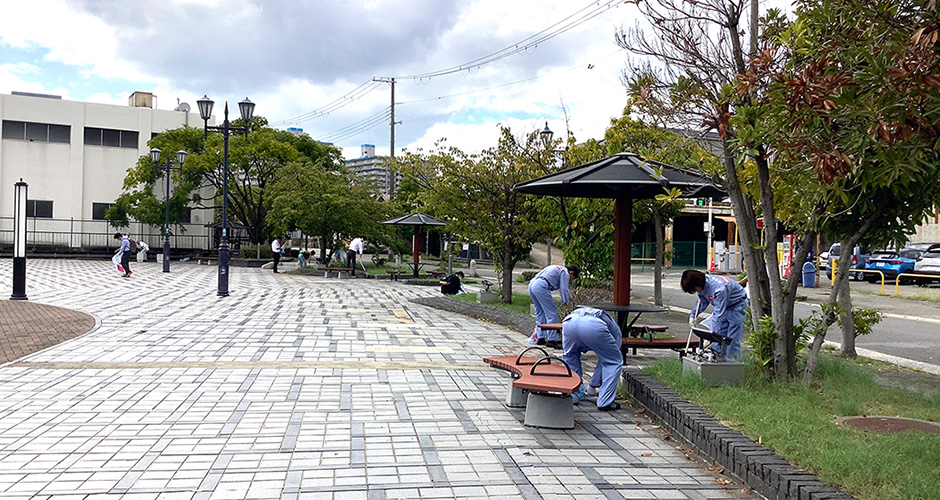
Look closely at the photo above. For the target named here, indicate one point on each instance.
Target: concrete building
(375, 169)
(74, 156)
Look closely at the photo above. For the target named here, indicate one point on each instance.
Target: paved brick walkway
(27, 327)
(296, 387)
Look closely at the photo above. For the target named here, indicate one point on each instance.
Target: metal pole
(166, 227)
(223, 247)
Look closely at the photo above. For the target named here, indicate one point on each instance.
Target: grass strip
(797, 422)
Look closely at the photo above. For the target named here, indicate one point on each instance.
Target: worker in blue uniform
(590, 329)
(729, 300)
(540, 289)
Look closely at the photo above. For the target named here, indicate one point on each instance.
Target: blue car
(892, 264)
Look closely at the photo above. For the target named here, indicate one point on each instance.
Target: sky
(311, 65)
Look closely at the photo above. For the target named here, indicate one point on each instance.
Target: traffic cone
(711, 266)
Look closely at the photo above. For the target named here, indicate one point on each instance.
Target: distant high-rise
(375, 168)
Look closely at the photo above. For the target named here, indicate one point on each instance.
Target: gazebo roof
(622, 174)
(415, 219)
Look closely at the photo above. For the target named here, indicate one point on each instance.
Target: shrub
(251, 252)
(527, 276)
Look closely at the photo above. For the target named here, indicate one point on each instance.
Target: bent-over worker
(590, 329)
(540, 289)
(729, 300)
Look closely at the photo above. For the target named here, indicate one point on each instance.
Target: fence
(690, 254)
(79, 236)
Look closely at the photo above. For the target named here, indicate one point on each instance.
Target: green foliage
(795, 421)
(252, 252)
(865, 319)
(526, 276)
(253, 163)
(761, 341)
(474, 195)
(327, 204)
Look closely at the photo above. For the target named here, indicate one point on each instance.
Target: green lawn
(797, 422)
(520, 302)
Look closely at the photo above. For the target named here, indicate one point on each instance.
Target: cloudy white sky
(296, 57)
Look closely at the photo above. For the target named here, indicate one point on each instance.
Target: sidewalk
(297, 387)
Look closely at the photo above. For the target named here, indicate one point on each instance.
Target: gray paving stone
(295, 387)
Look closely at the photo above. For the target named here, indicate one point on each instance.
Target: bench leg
(515, 397)
(552, 412)
(342, 275)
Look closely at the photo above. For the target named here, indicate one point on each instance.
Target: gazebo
(417, 220)
(625, 177)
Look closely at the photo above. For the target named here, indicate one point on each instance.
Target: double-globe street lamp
(246, 108)
(167, 167)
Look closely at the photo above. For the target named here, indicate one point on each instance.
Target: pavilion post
(416, 249)
(623, 222)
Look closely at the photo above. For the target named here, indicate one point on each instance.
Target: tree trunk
(506, 264)
(660, 251)
(750, 238)
(848, 320)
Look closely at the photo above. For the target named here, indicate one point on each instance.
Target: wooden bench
(437, 274)
(394, 273)
(543, 387)
(639, 336)
(328, 271)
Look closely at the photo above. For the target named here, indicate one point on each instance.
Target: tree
(328, 204)
(473, 193)
(857, 107)
(253, 163)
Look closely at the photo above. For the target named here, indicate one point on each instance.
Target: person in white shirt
(142, 249)
(276, 251)
(355, 248)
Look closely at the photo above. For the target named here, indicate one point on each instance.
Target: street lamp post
(19, 241)
(167, 167)
(246, 108)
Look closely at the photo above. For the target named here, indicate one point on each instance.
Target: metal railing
(78, 236)
(897, 281)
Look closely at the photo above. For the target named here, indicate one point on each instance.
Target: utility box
(714, 372)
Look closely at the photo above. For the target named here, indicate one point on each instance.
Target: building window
(187, 216)
(36, 132)
(99, 209)
(111, 138)
(40, 209)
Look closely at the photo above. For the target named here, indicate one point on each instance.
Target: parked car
(859, 256)
(929, 263)
(892, 263)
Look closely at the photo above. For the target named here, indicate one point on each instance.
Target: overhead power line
(583, 15)
(590, 11)
(348, 98)
(352, 130)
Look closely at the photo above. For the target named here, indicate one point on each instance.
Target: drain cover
(889, 425)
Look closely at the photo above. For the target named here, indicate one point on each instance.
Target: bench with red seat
(639, 336)
(543, 385)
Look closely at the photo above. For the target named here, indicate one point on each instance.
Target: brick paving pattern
(27, 327)
(297, 387)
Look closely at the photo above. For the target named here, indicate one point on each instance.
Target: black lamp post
(167, 167)
(19, 241)
(246, 108)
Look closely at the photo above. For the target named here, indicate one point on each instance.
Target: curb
(521, 323)
(759, 468)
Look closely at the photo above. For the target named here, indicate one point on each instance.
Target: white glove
(691, 322)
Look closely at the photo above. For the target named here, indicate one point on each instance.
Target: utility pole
(391, 142)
